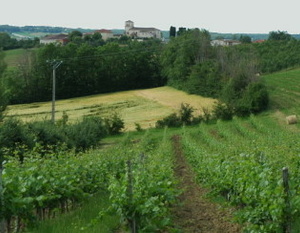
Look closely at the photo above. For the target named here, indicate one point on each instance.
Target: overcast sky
(235, 16)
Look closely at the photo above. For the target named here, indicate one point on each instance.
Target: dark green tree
(6, 42)
(75, 36)
(181, 31)
(181, 54)
(279, 35)
(172, 31)
(245, 39)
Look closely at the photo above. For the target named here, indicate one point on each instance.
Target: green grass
(284, 90)
(14, 57)
(78, 220)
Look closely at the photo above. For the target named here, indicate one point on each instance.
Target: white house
(224, 42)
(142, 33)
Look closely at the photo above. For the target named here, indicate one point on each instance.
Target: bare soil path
(197, 213)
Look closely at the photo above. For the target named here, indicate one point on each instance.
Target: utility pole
(55, 64)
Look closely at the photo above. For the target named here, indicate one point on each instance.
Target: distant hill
(39, 31)
(35, 29)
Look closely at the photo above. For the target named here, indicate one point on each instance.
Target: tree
(181, 30)
(75, 36)
(279, 35)
(6, 42)
(172, 31)
(182, 53)
(245, 39)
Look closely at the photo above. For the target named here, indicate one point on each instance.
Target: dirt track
(197, 214)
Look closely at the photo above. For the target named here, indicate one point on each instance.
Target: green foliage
(245, 39)
(279, 35)
(170, 121)
(75, 37)
(15, 137)
(186, 114)
(190, 63)
(76, 220)
(47, 182)
(138, 127)
(86, 133)
(145, 191)
(48, 134)
(204, 79)
(172, 32)
(183, 52)
(114, 124)
(61, 177)
(81, 135)
(94, 39)
(242, 161)
(6, 42)
(245, 98)
(255, 97)
(13, 132)
(184, 117)
(222, 111)
(90, 64)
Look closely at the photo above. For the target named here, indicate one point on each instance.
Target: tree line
(7, 43)
(86, 70)
(187, 62)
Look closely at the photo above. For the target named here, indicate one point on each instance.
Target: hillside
(284, 90)
(144, 107)
(238, 162)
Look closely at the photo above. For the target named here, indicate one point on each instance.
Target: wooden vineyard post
(130, 195)
(2, 222)
(287, 209)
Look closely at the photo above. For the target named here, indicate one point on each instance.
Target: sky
(224, 16)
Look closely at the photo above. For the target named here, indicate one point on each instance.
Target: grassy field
(14, 57)
(144, 107)
(284, 90)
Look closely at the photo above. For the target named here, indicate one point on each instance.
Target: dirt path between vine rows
(196, 213)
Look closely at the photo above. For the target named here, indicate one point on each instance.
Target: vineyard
(138, 176)
(242, 162)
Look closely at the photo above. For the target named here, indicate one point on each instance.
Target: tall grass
(77, 221)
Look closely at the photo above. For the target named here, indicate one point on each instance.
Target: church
(141, 33)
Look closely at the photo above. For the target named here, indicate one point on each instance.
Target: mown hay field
(144, 107)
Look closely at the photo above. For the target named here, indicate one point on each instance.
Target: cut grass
(144, 107)
(77, 221)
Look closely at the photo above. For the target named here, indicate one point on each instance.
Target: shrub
(257, 97)
(184, 117)
(12, 132)
(86, 133)
(114, 124)
(14, 136)
(46, 133)
(222, 111)
(186, 114)
(138, 127)
(170, 121)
